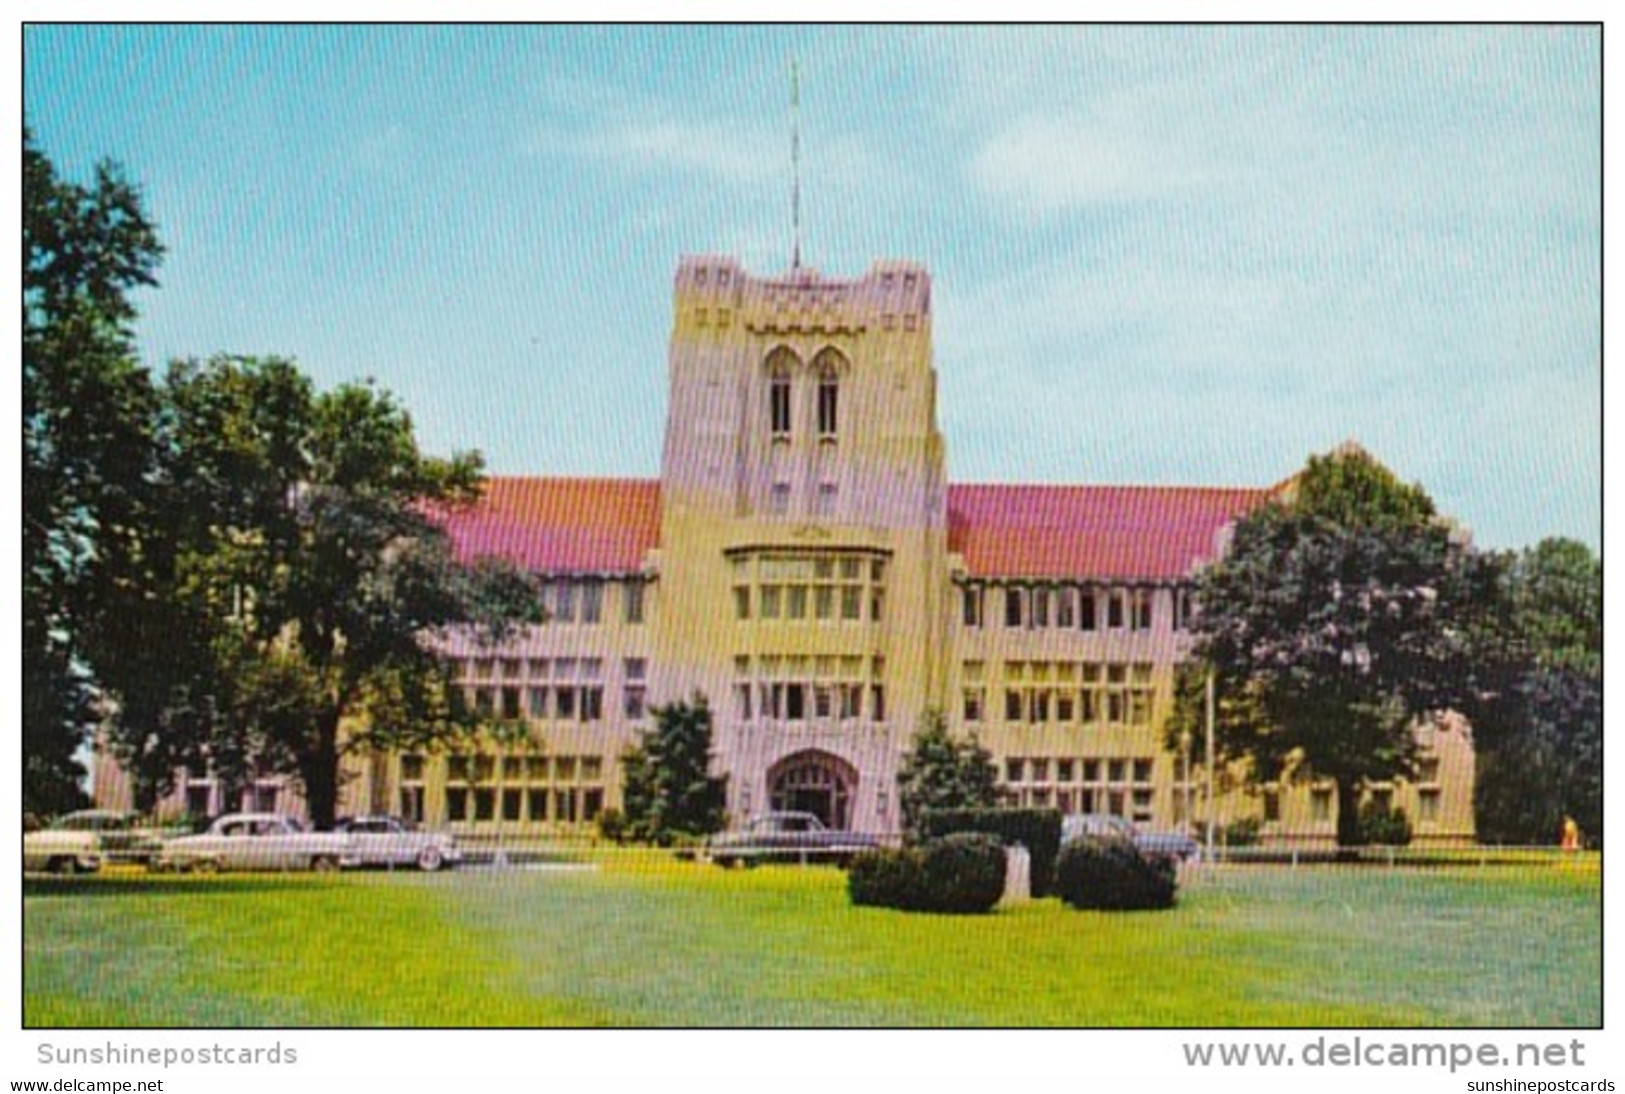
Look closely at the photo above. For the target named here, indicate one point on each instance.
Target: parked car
(1175, 846)
(786, 837)
(121, 835)
(62, 851)
(390, 841)
(255, 841)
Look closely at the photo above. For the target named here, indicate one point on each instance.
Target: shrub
(1243, 832)
(1111, 874)
(612, 825)
(888, 877)
(1386, 827)
(962, 874)
(1038, 830)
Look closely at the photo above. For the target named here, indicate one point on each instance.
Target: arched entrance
(814, 782)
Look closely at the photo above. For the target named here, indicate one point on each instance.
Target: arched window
(828, 365)
(829, 392)
(779, 365)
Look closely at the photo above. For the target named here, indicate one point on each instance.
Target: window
(1013, 770)
(851, 602)
(877, 703)
(510, 804)
(1427, 805)
(824, 602)
(485, 803)
(1320, 804)
(636, 702)
(779, 404)
(741, 602)
(592, 768)
(1272, 806)
(1086, 610)
(1013, 607)
(1182, 609)
(780, 502)
(1065, 607)
(796, 602)
(564, 703)
(974, 700)
(411, 767)
(592, 601)
(828, 404)
(1040, 607)
(632, 601)
(771, 595)
(456, 803)
(1013, 706)
(510, 703)
(592, 704)
(1140, 619)
(825, 503)
(972, 596)
(564, 602)
(635, 668)
(1114, 610)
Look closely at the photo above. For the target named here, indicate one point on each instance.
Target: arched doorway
(814, 782)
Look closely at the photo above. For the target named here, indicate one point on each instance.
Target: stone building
(805, 564)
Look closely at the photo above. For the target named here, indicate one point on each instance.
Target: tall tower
(803, 530)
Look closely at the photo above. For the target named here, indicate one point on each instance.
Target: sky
(1160, 255)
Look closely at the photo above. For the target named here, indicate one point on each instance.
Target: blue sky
(1161, 255)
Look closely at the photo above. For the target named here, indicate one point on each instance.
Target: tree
(1339, 618)
(302, 575)
(668, 791)
(942, 772)
(1539, 739)
(86, 412)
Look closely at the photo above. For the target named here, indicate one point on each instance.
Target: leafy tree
(942, 772)
(86, 412)
(668, 791)
(1341, 615)
(1539, 739)
(302, 576)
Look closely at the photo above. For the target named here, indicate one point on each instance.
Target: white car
(62, 850)
(255, 841)
(390, 841)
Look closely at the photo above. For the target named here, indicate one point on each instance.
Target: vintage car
(1173, 846)
(390, 841)
(255, 841)
(121, 835)
(62, 850)
(786, 837)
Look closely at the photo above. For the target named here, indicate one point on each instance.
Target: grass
(646, 941)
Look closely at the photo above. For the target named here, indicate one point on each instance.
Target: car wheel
(325, 864)
(727, 862)
(206, 866)
(430, 859)
(65, 865)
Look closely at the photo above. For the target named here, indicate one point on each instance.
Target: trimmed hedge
(1111, 874)
(962, 874)
(1384, 827)
(1038, 830)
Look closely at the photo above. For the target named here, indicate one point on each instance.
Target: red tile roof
(1123, 532)
(1146, 532)
(561, 525)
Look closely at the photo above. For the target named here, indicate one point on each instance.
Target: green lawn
(647, 941)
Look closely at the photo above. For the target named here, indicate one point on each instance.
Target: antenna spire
(795, 164)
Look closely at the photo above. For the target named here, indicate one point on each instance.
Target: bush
(1385, 827)
(1111, 874)
(962, 874)
(888, 878)
(1243, 832)
(612, 825)
(1038, 830)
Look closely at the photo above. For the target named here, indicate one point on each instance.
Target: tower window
(828, 405)
(779, 404)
